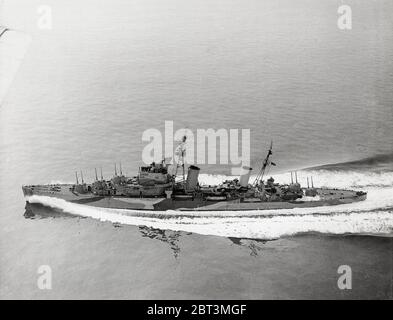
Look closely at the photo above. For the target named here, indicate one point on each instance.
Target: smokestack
(308, 186)
(115, 170)
(76, 175)
(102, 178)
(296, 176)
(82, 177)
(121, 171)
(245, 176)
(192, 177)
(312, 183)
(95, 170)
(291, 178)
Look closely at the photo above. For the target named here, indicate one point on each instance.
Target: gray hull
(326, 197)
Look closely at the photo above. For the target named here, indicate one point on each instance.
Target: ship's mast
(181, 151)
(265, 163)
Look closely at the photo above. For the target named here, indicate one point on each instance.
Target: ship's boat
(216, 198)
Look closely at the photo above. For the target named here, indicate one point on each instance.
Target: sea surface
(82, 93)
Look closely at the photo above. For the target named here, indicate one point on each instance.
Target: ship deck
(326, 197)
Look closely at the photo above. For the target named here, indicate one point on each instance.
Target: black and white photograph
(196, 150)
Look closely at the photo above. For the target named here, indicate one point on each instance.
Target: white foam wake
(372, 216)
(263, 224)
(322, 178)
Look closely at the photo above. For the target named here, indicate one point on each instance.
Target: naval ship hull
(326, 197)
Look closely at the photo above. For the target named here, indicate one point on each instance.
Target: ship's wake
(372, 216)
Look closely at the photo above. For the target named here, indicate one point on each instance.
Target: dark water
(147, 263)
(87, 90)
(377, 163)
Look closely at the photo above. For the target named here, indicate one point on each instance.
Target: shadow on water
(168, 236)
(39, 211)
(252, 244)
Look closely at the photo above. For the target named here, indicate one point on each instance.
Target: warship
(157, 188)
